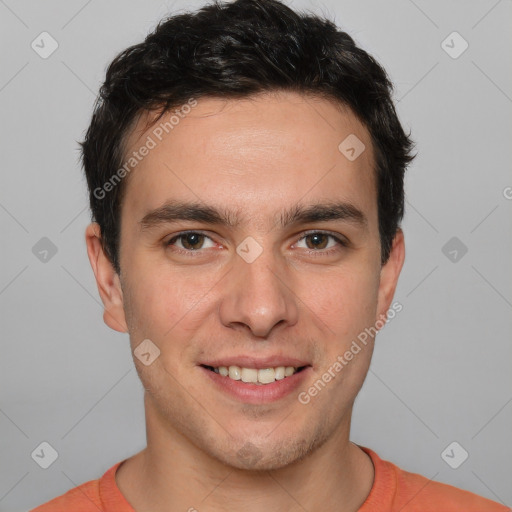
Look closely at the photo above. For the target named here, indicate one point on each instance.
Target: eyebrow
(173, 211)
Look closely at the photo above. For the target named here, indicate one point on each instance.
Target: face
(249, 240)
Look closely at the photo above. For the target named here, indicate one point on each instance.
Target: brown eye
(192, 241)
(323, 243)
(317, 240)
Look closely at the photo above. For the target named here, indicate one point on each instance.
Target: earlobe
(107, 280)
(390, 272)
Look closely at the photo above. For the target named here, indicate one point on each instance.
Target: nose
(259, 296)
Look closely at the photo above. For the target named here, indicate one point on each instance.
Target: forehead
(255, 154)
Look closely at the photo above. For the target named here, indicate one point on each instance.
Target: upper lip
(256, 362)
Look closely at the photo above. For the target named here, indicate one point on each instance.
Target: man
(245, 166)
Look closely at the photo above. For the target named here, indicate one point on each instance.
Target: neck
(336, 476)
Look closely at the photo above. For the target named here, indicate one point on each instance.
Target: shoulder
(418, 493)
(397, 490)
(92, 496)
(83, 498)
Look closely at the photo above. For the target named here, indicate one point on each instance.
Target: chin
(265, 455)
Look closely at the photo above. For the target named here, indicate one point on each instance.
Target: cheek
(150, 309)
(166, 307)
(345, 302)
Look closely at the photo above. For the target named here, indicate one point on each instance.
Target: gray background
(441, 370)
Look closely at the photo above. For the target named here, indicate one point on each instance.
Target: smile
(261, 385)
(256, 376)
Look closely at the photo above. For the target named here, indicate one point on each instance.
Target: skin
(256, 157)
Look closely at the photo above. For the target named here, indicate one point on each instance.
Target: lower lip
(258, 394)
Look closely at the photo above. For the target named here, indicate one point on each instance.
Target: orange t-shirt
(393, 490)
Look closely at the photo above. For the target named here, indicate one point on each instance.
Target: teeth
(289, 370)
(266, 375)
(280, 372)
(255, 376)
(249, 375)
(234, 372)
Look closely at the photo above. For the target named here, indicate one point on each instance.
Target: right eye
(190, 241)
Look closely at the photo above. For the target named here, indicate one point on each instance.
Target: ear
(389, 274)
(107, 280)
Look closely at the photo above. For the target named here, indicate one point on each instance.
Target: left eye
(191, 241)
(320, 241)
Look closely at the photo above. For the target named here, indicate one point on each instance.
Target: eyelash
(196, 253)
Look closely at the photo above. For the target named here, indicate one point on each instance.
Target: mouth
(258, 382)
(258, 376)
